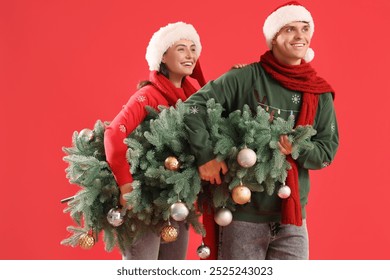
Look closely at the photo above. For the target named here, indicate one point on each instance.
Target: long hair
(163, 70)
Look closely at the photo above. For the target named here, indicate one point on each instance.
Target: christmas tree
(165, 174)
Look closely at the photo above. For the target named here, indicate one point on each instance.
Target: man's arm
(326, 140)
(225, 91)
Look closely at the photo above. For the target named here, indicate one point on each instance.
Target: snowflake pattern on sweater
(296, 99)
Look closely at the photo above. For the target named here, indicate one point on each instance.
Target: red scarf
(301, 78)
(168, 90)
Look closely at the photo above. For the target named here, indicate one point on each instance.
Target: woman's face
(180, 59)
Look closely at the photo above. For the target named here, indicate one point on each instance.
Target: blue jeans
(150, 247)
(263, 241)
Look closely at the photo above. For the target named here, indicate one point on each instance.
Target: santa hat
(165, 38)
(289, 12)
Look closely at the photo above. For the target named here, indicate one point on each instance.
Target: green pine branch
(155, 188)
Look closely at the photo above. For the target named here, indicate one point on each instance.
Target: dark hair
(163, 70)
(141, 84)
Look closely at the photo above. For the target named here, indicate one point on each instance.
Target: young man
(270, 227)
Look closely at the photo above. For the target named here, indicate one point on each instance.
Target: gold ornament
(241, 194)
(169, 233)
(86, 241)
(172, 163)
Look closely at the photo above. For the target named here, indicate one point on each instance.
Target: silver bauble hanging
(114, 217)
(203, 251)
(86, 135)
(284, 191)
(246, 158)
(223, 217)
(179, 211)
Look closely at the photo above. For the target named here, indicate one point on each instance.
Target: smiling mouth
(298, 45)
(188, 63)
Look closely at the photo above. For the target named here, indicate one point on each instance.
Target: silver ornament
(284, 191)
(203, 251)
(179, 211)
(246, 158)
(86, 135)
(114, 217)
(223, 217)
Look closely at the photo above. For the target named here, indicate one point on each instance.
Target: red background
(65, 64)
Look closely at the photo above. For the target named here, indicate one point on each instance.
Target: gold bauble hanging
(172, 163)
(169, 233)
(241, 194)
(86, 241)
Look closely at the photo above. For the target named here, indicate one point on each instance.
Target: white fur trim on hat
(165, 37)
(309, 55)
(291, 12)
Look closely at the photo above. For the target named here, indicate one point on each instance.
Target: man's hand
(210, 171)
(126, 188)
(285, 146)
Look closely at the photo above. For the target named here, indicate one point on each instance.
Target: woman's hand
(239, 65)
(124, 189)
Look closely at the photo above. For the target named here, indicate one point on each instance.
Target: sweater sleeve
(131, 115)
(326, 140)
(225, 91)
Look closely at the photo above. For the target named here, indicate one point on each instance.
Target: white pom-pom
(309, 55)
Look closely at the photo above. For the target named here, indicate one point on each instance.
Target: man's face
(291, 43)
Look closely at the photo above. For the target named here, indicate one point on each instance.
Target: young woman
(172, 55)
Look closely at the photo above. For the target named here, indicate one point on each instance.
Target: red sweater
(160, 92)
